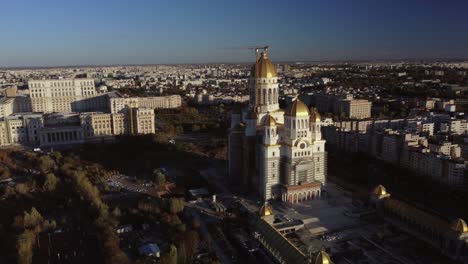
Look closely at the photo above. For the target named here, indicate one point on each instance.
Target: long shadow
(368, 172)
(138, 156)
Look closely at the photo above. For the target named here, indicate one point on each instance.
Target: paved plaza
(351, 233)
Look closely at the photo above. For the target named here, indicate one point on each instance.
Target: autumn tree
(33, 223)
(56, 155)
(46, 164)
(181, 254)
(24, 247)
(104, 222)
(170, 257)
(21, 188)
(32, 219)
(176, 205)
(159, 177)
(5, 173)
(50, 182)
(9, 192)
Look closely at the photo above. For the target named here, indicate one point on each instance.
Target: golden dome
(269, 121)
(265, 210)
(264, 68)
(459, 226)
(297, 109)
(380, 190)
(315, 116)
(323, 258)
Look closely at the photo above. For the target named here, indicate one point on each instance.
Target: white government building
(67, 111)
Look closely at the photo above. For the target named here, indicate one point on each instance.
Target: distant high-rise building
(347, 105)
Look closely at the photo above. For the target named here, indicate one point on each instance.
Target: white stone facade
(290, 158)
(64, 95)
(6, 107)
(144, 121)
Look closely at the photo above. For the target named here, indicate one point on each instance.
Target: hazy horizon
(410, 60)
(54, 33)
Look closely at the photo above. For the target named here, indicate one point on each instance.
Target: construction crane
(257, 48)
(253, 48)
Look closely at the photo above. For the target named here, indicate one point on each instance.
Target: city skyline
(55, 33)
(224, 132)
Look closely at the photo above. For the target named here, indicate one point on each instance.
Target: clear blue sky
(72, 32)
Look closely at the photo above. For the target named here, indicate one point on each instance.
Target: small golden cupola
(314, 115)
(323, 258)
(297, 109)
(380, 190)
(265, 210)
(459, 226)
(269, 121)
(264, 68)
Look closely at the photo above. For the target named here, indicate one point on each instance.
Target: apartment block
(353, 108)
(343, 105)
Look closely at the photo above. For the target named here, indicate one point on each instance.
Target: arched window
(270, 97)
(264, 97)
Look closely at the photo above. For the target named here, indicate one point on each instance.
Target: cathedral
(278, 154)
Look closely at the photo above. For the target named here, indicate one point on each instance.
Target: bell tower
(263, 84)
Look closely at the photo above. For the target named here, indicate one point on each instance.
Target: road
(205, 232)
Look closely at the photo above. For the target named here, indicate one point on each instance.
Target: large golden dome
(323, 258)
(264, 68)
(459, 226)
(297, 109)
